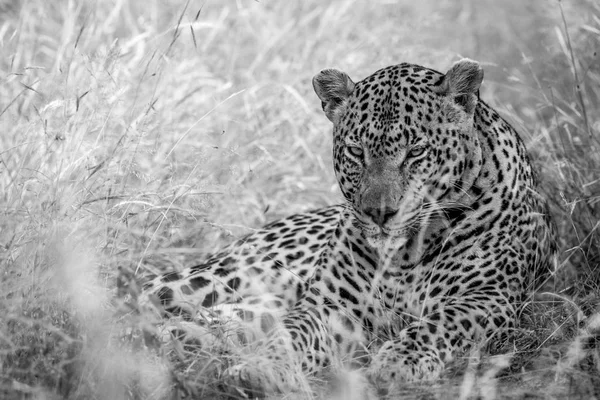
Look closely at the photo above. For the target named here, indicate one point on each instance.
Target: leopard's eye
(355, 151)
(417, 151)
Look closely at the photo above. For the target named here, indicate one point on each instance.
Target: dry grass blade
(177, 32)
(576, 75)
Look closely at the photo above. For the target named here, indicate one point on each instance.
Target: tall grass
(136, 136)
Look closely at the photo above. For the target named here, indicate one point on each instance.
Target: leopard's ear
(462, 83)
(333, 88)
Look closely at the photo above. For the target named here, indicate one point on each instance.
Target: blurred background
(137, 135)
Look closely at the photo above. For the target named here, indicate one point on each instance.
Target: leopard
(441, 237)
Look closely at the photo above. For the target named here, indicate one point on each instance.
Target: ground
(137, 136)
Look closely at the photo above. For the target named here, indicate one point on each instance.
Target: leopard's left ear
(333, 88)
(462, 82)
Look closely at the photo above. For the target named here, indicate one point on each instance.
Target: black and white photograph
(299, 199)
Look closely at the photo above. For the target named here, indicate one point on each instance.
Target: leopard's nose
(380, 215)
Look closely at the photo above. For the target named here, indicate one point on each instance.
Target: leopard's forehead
(391, 108)
(401, 75)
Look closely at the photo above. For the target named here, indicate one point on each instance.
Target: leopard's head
(404, 143)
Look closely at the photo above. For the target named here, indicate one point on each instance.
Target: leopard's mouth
(386, 237)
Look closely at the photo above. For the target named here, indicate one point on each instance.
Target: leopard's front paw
(247, 380)
(394, 364)
(259, 378)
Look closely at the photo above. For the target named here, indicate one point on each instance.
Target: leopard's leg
(309, 340)
(422, 348)
(327, 326)
(278, 364)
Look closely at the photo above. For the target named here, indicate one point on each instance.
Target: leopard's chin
(386, 243)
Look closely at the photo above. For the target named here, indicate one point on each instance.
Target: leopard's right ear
(333, 88)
